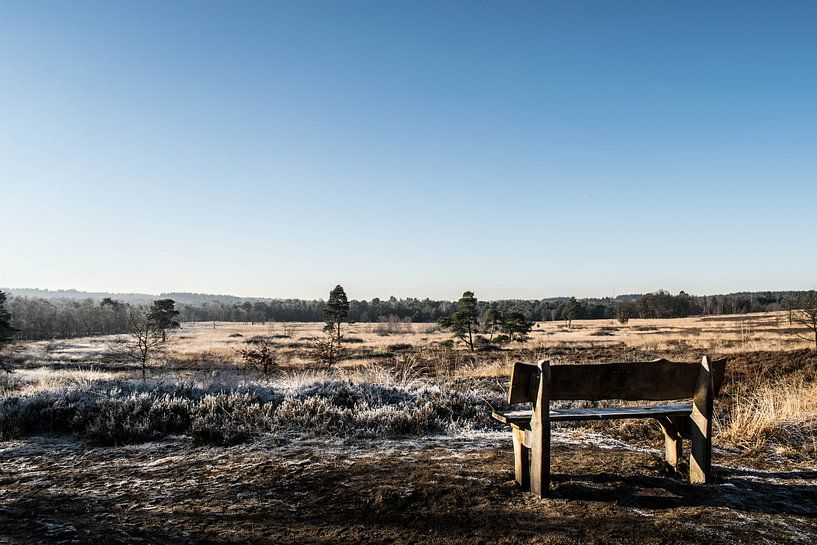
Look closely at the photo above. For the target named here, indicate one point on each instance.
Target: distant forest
(42, 314)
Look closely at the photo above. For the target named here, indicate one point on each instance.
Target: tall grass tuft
(780, 413)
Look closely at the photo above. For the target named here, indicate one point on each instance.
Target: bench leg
(673, 442)
(521, 458)
(540, 461)
(700, 458)
(700, 424)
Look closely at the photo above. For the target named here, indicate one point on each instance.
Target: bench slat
(595, 413)
(659, 380)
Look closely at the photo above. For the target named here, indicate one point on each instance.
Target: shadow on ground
(57, 491)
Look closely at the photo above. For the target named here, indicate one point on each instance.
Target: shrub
(120, 412)
(261, 356)
(326, 351)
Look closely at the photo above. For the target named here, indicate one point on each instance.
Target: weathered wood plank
(594, 413)
(659, 380)
(540, 435)
(700, 458)
(524, 383)
(673, 441)
(521, 457)
(654, 381)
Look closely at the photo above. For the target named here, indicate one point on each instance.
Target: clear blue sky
(517, 149)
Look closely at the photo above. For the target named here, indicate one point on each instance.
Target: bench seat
(597, 413)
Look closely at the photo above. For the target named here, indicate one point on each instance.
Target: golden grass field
(715, 334)
(220, 342)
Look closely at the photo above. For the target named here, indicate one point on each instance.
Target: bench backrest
(659, 380)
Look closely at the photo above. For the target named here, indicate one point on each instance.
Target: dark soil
(431, 490)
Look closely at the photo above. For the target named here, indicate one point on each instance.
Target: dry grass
(781, 412)
(215, 344)
(769, 403)
(721, 334)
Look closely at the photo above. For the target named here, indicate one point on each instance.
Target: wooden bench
(659, 380)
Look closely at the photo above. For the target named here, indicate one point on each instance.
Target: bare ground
(430, 490)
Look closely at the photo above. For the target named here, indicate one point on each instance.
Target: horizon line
(217, 295)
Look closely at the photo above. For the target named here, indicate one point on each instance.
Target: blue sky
(517, 149)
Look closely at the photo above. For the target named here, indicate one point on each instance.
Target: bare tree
(145, 339)
(789, 303)
(6, 331)
(807, 316)
(288, 330)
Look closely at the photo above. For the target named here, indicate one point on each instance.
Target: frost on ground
(441, 489)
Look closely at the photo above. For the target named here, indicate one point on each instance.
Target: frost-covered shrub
(312, 414)
(117, 412)
(213, 430)
(125, 420)
(228, 419)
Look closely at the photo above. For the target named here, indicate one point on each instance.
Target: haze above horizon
(519, 150)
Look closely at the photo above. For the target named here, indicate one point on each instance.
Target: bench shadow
(396, 524)
(742, 490)
(782, 475)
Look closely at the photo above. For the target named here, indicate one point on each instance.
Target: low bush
(119, 412)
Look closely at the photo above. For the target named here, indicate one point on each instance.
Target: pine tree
(260, 355)
(465, 321)
(493, 320)
(162, 316)
(571, 311)
(336, 311)
(516, 325)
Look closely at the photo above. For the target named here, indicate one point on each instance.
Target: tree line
(37, 318)
(660, 304)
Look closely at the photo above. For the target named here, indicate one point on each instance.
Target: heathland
(392, 443)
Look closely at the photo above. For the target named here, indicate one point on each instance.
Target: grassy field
(714, 334)
(393, 444)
